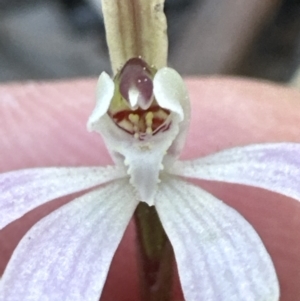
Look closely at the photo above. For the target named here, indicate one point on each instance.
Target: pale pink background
(43, 124)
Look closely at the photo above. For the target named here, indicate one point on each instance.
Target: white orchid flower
(143, 115)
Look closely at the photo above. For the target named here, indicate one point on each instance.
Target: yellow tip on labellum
(135, 28)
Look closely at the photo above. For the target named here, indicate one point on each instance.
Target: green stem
(156, 256)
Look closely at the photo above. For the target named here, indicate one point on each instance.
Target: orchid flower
(143, 117)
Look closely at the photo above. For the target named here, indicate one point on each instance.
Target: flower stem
(156, 256)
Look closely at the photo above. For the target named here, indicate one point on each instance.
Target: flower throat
(134, 108)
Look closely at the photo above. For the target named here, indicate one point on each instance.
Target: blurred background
(54, 39)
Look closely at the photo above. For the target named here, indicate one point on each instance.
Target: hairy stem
(156, 256)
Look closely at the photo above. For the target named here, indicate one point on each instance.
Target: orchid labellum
(143, 113)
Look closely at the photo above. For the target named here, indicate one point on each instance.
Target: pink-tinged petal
(66, 256)
(274, 166)
(218, 253)
(24, 190)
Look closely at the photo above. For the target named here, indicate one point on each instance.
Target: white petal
(219, 255)
(105, 92)
(171, 93)
(23, 190)
(66, 256)
(274, 166)
(169, 90)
